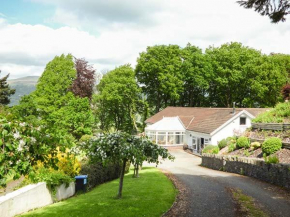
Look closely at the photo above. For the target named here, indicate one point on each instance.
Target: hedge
(98, 174)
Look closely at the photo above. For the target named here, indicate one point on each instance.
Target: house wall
(188, 138)
(229, 130)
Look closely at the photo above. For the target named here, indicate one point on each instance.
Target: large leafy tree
(5, 91)
(271, 74)
(84, 83)
(197, 72)
(276, 10)
(53, 104)
(158, 71)
(118, 100)
(232, 66)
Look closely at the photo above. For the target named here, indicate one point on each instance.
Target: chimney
(234, 108)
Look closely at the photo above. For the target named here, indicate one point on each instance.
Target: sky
(110, 33)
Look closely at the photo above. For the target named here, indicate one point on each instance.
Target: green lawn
(150, 195)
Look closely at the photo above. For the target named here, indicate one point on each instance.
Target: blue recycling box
(81, 183)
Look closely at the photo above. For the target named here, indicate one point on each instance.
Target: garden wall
(31, 197)
(278, 174)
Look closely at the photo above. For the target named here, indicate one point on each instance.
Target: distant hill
(23, 86)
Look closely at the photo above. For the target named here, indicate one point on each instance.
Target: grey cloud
(20, 58)
(116, 11)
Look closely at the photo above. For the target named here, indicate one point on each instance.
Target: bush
(255, 145)
(273, 159)
(272, 145)
(279, 114)
(222, 143)
(243, 142)
(68, 163)
(211, 149)
(98, 173)
(53, 178)
(232, 147)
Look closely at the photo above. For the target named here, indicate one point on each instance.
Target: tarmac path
(208, 193)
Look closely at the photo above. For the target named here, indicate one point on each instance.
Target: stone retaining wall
(278, 174)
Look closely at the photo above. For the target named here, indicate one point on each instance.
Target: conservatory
(168, 131)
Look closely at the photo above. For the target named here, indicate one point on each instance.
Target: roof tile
(199, 119)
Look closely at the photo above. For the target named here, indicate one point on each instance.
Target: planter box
(32, 197)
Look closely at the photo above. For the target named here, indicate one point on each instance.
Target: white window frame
(245, 121)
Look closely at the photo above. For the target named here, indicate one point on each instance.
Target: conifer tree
(276, 10)
(5, 91)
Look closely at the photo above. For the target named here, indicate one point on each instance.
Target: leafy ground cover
(150, 195)
(279, 114)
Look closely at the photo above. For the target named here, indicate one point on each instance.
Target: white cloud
(126, 29)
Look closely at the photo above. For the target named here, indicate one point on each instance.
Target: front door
(200, 145)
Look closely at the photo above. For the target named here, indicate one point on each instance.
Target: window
(242, 121)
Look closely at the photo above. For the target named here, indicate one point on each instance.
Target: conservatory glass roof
(167, 124)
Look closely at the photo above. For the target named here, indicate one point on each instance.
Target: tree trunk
(137, 171)
(134, 175)
(122, 178)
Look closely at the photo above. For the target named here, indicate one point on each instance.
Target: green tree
(276, 10)
(66, 116)
(232, 66)
(121, 148)
(158, 71)
(118, 100)
(5, 91)
(271, 74)
(197, 72)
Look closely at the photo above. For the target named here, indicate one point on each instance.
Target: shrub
(222, 143)
(232, 147)
(276, 115)
(272, 159)
(98, 173)
(211, 149)
(53, 178)
(247, 153)
(255, 145)
(271, 145)
(68, 163)
(243, 142)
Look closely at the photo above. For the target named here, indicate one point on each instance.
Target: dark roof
(203, 120)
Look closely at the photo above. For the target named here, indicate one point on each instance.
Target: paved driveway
(208, 194)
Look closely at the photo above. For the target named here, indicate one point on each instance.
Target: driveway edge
(180, 205)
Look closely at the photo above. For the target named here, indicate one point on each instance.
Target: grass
(150, 195)
(246, 204)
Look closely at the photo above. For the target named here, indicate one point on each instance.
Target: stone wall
(32, 197)
(278, 174)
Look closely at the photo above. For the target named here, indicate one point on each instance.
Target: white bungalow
(198, 127)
